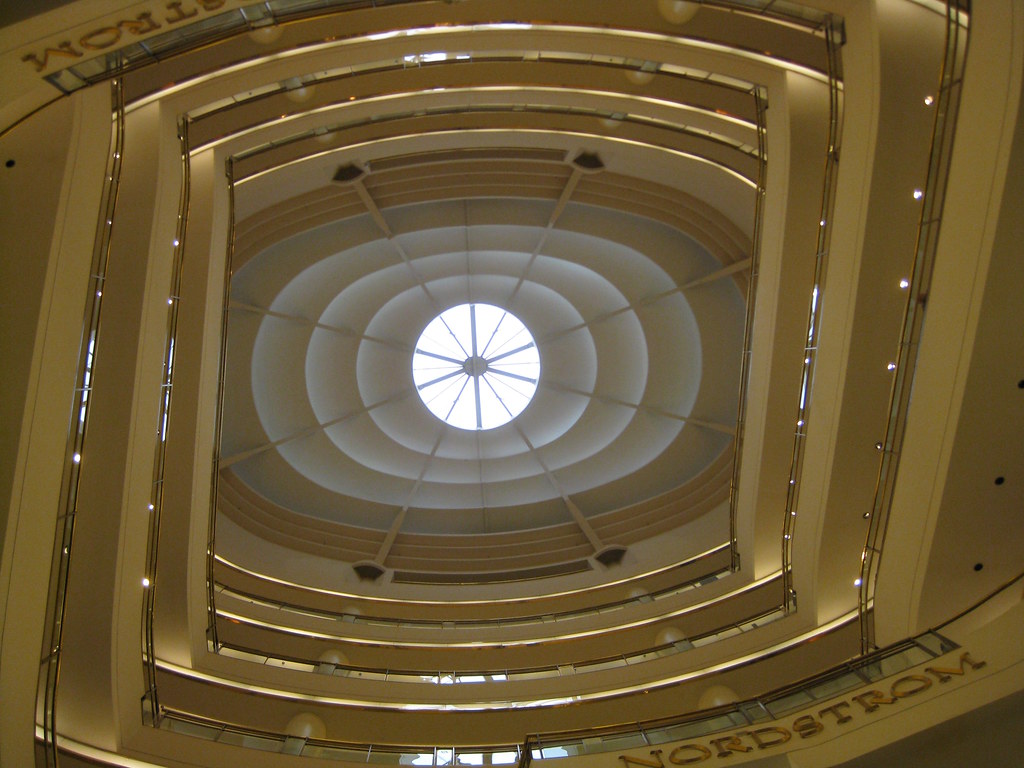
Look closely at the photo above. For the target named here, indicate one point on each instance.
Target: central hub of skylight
(476, 366)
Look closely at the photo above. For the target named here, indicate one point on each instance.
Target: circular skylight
(476, 366)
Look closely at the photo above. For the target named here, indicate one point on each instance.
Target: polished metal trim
(151, 704)
(77, 431)
(943, 129)
(833, 41)
(760, 106)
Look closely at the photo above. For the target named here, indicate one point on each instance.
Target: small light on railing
(800, 423)
(145, 581)
(821, 223)
(170, 301)
(891, 366)
(866, 515)
(857, 582)
(904, 283)
(99, 293)
(807, 361)
(150, 507)
(787, 536)
(929, 100)
(175, 242)
(878, 446)
(76, 458)
(918, 194)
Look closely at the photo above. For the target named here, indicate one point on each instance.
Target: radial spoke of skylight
(495, 358)
(490, 399)
(462, 373)
(514, 391)
(440, 357)
(439, 379)
(496, 372)
(490, 339)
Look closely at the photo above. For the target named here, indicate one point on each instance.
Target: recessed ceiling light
(857, 582)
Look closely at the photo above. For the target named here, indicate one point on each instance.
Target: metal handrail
(150, 699)
(834, 37)
(211, 531)
(778, 702)
(433, 676)
(770, 706)
(77, 431)
(946, 108)
(543, 618)
(760, 107)
(219, 27)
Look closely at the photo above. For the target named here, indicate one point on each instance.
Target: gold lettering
(729, 744)
(834, 710)
(630, 760)
(703, 753)
(140, 25)
(175, 6)
(877, 697)
(62, 49)
(101, 38)
(923, 684)
(807, 726)
(761, 743)
(943, 674)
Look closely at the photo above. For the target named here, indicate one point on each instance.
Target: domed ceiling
(596, 197)
(627, 360)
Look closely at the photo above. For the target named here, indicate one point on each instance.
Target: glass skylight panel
(476, 366)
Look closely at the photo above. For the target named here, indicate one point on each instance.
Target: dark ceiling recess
(347, 173)
(588, 162)
(368, 570)
(611, 555)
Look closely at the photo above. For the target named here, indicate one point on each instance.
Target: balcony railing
(845, 677)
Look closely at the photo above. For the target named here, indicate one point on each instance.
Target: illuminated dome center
(476, 366)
